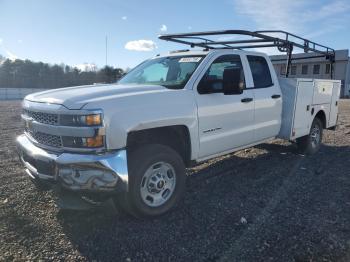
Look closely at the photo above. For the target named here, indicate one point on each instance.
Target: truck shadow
(268, 189)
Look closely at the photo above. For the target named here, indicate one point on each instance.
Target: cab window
(212, 81)
(260, 71)
(171, 72)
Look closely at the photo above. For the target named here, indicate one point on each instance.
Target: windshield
(171, 72)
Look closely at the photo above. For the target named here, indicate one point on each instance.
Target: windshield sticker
(190, 59)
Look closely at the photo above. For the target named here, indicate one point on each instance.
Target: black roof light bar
(257, 39)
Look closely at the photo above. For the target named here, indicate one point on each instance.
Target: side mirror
(231, 81)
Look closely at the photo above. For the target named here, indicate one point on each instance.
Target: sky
(73, 32)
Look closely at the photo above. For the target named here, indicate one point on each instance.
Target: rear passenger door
(268, 99)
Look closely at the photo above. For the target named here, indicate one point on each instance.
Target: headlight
(96, 141)
(93, 120)
(83, 142)
(81, 120)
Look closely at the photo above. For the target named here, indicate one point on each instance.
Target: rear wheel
(156, 181)
(311, 143)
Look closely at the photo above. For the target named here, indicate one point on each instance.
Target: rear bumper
(77, 172)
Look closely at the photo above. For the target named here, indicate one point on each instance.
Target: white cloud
(20, 41)
(124, 17)
(291, 15)
(87, 67)
(269, 14)
(10, 55)
(332, 9)
(141, 45)
(163, 28)
(300, 17)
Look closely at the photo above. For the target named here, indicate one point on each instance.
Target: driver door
(225, 121)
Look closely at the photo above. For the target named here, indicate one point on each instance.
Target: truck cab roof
(205, 52)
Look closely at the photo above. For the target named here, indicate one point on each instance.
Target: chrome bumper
(78, 172)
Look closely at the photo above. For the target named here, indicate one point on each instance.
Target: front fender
(134, 113)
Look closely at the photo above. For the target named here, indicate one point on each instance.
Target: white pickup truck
(131, 141)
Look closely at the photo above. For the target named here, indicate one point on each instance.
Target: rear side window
(260, 71)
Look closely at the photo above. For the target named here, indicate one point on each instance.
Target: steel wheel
(311, 143)
(157, 181)
(158, 184)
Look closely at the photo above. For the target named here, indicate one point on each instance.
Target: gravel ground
(262, 204)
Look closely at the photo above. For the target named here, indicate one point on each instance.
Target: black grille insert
(45, 118)
(46, 139)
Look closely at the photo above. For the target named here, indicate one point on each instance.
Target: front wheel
(156, 181)
(311, 143)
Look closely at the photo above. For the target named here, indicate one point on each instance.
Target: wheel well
(322, 116)
(176, 137)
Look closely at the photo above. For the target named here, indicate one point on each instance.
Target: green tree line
(29, 74)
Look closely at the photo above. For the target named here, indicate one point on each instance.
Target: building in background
(318, 67)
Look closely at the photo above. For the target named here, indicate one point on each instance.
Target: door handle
(275, 96)
(246, 100)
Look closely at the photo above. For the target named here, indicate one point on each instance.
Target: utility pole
(106, 50)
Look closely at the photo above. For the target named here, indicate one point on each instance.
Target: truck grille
(46, 139)
(45, 118)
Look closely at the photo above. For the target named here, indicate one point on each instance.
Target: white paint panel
(288, 89)
(323, 92)
(302, 116)
(224, 122)
(300, 94)
(333, 115)
(268, 112)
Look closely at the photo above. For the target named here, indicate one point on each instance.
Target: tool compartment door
(333, 114)
(302, 115)
(323, 92)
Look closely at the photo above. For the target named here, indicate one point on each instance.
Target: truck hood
(78, 96)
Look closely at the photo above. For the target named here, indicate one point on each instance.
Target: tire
(157, 181)
(311, 143)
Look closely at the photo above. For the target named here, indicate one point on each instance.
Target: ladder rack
(254, 39)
